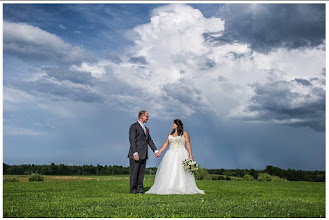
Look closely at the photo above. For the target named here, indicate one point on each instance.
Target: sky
(247, 80)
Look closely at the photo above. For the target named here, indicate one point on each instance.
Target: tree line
(289, 174)
(61, 169)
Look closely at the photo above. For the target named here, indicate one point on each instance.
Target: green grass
(108, 197)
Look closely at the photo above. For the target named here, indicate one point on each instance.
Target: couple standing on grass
(170, 178)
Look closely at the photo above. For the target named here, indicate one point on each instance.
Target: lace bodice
(176, 143)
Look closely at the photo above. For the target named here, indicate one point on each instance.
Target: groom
(139, 138)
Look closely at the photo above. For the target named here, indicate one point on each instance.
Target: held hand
(158, 154)
(191, 157)
(136, 157)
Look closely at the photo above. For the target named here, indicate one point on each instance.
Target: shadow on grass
(146, 189)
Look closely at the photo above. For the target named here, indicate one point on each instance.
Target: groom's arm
(152, 145)
(132, 139)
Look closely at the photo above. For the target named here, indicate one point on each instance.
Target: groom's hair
(141, 113)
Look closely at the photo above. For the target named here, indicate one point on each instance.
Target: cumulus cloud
(268, 26)
(225, 78)
(32, 43)
(175, 30)
(169, 48)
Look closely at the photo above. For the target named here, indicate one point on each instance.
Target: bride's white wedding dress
(171, 178)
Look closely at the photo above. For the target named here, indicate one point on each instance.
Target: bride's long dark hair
(180, 127)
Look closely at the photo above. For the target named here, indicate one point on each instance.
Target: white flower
(190, 165)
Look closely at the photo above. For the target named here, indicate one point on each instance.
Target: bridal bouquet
(190, 165)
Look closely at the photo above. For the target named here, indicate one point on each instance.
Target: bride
(171, 178)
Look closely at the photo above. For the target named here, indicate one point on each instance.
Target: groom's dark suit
(139, 142)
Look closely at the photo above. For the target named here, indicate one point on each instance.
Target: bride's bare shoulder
(185, 133)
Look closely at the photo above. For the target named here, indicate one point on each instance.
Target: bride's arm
(165, 145)
(188, 145)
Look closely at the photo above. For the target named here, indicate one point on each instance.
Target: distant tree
(264, 177)
(248, 177)
(53, 169)
(5, 168)
(202, 174)
(253, 173)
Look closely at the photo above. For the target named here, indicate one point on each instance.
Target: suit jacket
(139, 142)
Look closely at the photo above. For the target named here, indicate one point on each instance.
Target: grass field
(107, 196)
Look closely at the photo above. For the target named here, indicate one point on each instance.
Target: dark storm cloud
(280, 101)
(303, 82)
(268, 26)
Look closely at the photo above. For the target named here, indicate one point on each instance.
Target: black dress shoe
(134, 192)
(141, 192)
